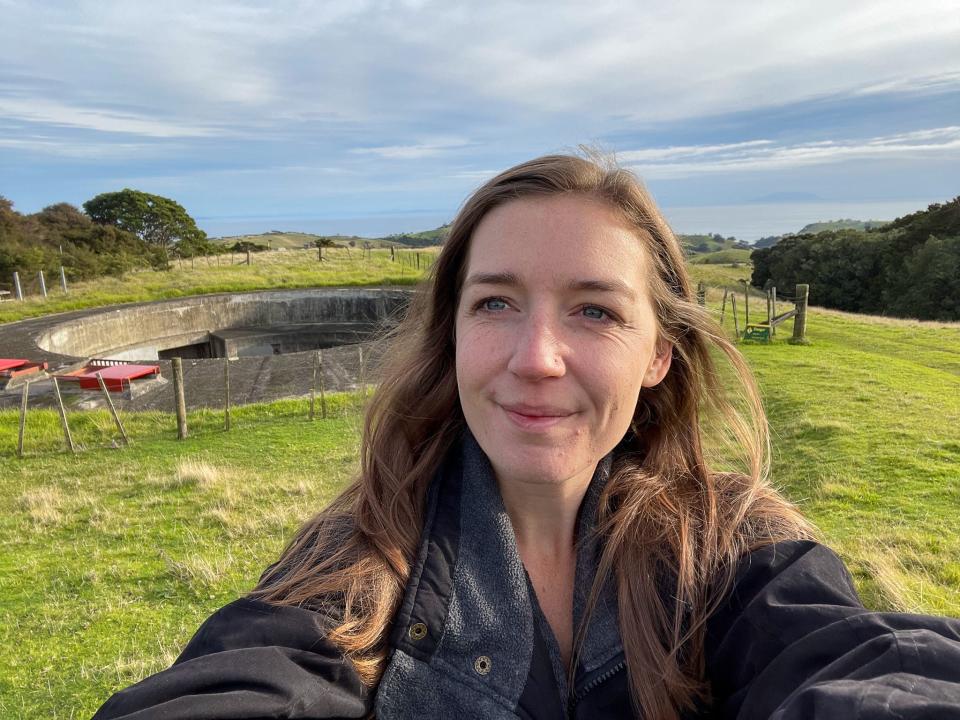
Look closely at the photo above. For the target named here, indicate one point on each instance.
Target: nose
(538, 352)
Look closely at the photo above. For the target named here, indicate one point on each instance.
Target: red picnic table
(116, 377)
(14, 367)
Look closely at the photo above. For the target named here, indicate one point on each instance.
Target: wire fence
(210, 394)
(34, 286)
(184, 400)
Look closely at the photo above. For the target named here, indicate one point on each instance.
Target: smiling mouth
(534, 418)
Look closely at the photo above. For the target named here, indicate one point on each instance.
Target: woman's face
(555, 336)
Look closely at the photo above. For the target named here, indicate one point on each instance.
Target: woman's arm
(249, 660)
(793, 641)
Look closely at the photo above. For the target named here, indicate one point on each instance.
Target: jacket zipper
(578, 695)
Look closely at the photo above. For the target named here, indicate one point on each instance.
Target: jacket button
(482, 665)
(418, 631)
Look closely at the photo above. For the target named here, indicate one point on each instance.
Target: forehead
(560, 237)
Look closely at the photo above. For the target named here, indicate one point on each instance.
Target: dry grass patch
(891, 579)
(133, 664)
(199, 473)
(902, 578)
(43, 506)
(198, 571)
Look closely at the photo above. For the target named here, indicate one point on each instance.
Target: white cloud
(51, 112)
(686, 151)
(478, 175)
(377, 61)
(416, 98)
(412, 152)
(659, 163)
(83, 150)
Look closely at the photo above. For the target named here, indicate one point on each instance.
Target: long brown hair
(687, 497)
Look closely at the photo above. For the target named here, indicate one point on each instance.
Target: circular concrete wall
(231, 323)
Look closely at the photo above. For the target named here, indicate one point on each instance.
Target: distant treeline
(426, 238)
(62, 235)
(907, 268)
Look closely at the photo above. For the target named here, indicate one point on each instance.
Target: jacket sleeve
(793, 641)
(249, 660)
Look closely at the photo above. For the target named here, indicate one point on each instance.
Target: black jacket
(791, 641)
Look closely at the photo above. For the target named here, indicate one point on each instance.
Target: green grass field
(111, 558)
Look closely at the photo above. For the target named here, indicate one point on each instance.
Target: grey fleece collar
(479, 660)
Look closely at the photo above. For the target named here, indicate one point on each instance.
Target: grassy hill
(426, 238)
(275, 239)
(111, 559)
(722, 257)
(842, 224)
(298, 240)
(700, 244)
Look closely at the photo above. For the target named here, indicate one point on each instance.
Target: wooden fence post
(736, 320)
(63, 416)
(226, 393)
(323, 394)
(773, 301)
(63, 280)
(43, 283)
(800, 319)
(363, 374)
(770, 314)
(723, 306)
(17, 287)
(248, 256)
(701, 293)
(24, 396)
(113, 410)
(179, 398)
(313, 386)
(746, 302)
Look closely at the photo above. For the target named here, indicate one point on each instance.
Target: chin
(543, 470)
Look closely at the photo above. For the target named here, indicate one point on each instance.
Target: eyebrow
(503, 278)
(608, 286)
(510, 279)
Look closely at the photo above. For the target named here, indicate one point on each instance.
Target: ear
(660, 365)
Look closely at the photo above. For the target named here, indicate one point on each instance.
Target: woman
(558, 513)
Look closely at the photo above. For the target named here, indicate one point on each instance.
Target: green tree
(61, 235)
(323, 242)
(931, 281)
(153, 218)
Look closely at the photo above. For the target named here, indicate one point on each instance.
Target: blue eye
(493, 304)
(594, 313)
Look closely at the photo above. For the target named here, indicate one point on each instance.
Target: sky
(252, 114)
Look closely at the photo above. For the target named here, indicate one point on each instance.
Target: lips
(535, 417)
